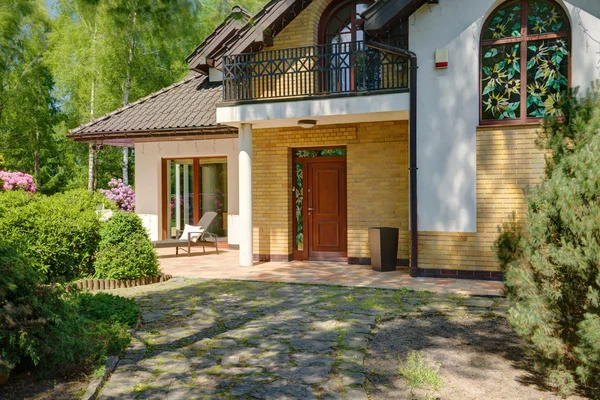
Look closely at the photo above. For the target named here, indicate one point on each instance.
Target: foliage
(2, 163)
(53, 329)
(122, 194)
(508, 244)
(420, 371)
(17, 181)
(553, 274)
(125, 252)
(58, 234)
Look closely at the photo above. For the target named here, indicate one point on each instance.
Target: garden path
(261, 340)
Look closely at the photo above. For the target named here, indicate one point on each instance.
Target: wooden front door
(326, 209)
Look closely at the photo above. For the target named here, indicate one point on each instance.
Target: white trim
(382, 107)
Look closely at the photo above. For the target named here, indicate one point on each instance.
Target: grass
(420, 371)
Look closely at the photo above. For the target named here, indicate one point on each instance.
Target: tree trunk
(126, 89)
(92, 171)
(36, 161)
(126, 165)
(91, 168)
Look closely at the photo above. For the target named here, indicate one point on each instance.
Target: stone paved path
(260, 340)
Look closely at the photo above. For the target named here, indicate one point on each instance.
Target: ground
(261, 340)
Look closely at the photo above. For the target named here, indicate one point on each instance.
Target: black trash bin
(383, 243)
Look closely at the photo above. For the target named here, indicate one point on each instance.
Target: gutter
(414, 226)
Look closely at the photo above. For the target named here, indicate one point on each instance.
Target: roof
(198, 60)
(186, 105)
(270, 20)
(384, 12)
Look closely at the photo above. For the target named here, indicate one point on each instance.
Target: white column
(186, 194)
(178, 196)
(245, 187)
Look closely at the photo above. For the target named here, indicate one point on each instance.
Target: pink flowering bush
(16, 181)
(122, 194)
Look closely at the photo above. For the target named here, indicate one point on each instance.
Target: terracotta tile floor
(225, 266)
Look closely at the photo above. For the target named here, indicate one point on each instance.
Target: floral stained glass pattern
(501, 81)
(544, 17)
(506, 22)
(298, 190)
(524, 74)
(320, 153)
(547, 71)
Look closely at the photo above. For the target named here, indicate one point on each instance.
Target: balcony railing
(331, 69)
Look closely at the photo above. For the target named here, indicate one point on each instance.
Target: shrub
(17, 181)
(48, 328)
(121, 194)
(553, 273)
(58, 235)
(420, 371)
(125, 252)
(2, 163)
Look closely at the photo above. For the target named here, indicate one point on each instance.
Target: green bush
(50, 329)
(125, 252)
(58, 235)
(552, 266)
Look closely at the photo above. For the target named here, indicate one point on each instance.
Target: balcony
(314, 71)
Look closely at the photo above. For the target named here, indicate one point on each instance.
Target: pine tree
(553, 275)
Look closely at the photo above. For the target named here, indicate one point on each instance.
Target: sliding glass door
(192, 187)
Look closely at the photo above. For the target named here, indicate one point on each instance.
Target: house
(332, 128)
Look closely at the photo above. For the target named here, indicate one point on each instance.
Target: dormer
(202, 58)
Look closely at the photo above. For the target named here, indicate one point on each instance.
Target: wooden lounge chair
(199, 236)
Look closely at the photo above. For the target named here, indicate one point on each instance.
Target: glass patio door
(192, 187)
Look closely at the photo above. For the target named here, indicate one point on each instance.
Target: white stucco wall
(448, 105)
(148, 178)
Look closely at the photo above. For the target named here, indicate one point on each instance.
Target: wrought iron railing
(309, 71)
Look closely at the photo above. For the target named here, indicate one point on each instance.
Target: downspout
(414, 226)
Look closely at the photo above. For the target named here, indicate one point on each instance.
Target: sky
(50, 4)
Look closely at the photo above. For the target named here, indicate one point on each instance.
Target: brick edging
(400, 262)
(103, 284)
(461, 274)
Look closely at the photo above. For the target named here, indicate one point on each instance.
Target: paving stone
(312, 360)
(331, 396)
(281, 390)
(181, 313)
(356, 394)
(241, 389)
(352, 356)
(356, 341)
(270, 359)
(352, 378)
(148, 317)
(239, 371)
(313, 346)
(310, 375)
(323, 336)
(332, 385)
(352, 367)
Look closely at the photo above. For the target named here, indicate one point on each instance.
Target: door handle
(310, 209)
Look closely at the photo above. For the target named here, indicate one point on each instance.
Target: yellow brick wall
(303, 30)
(508, 163)
(377, 179)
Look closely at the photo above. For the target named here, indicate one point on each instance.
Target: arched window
(341, 22)
(524, 61)
(342, 34)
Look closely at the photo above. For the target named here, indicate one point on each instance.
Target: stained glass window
(524, 61)
(299, 234)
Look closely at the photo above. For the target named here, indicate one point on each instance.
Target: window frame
(523, 40)
(196, 187)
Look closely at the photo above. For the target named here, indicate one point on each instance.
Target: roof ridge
(137, 102)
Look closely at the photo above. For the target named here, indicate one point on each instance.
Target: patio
(225, 265)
